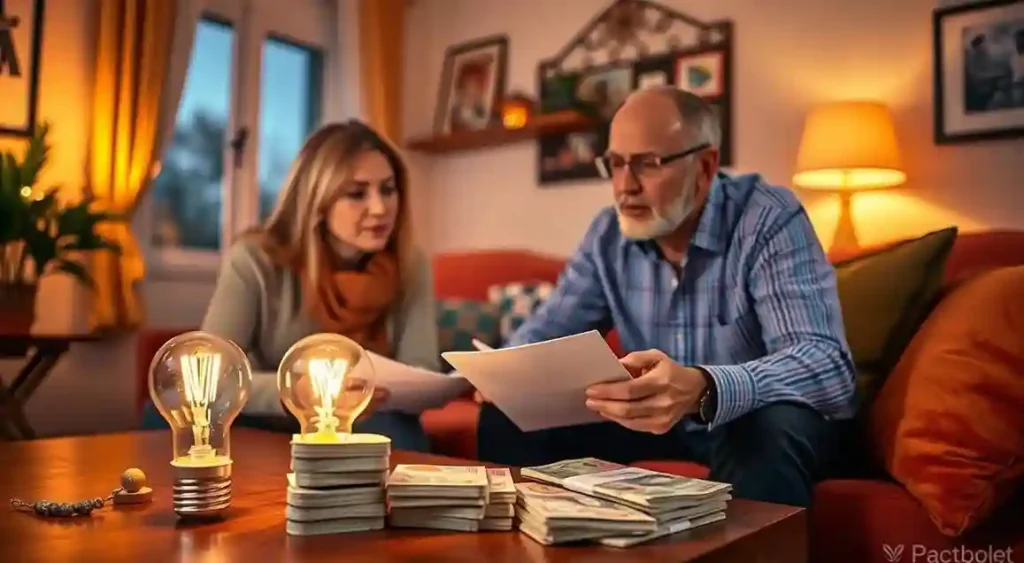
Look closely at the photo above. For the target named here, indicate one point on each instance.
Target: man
(721, 291)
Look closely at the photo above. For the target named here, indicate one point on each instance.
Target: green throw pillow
(459, 321)
(885, 297)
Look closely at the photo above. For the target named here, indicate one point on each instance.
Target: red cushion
(452, 428)
(852, 519)
(467, 275)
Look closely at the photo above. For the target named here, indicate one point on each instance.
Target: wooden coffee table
(70, 469)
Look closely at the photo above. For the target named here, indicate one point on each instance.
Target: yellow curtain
(381, 46)
(132, 57)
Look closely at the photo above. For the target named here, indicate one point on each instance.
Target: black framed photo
(21, 41)
(979, 71)
(472, 85)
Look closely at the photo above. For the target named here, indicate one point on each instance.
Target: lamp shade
(849, 145)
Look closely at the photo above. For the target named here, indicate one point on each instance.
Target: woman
(335, 257)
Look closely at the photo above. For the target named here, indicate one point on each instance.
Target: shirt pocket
(737, 341)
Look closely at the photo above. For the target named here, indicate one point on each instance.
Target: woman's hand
(380, 396)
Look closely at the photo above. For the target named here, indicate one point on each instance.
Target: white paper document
(414, 389)
(542, 385)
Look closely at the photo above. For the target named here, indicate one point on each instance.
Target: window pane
(188, 193)
(289, 111)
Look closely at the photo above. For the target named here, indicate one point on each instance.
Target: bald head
(666, 114)
(660, 181)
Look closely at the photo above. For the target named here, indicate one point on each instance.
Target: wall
(786, 61)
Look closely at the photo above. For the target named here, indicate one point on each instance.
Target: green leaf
(49, 229)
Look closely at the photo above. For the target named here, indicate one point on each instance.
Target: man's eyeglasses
(640, 164)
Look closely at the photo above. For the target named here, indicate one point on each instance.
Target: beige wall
(786, 61)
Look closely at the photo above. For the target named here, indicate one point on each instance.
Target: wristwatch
(708, 403)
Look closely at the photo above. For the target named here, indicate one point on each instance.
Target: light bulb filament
(200, 373)
(327, 376)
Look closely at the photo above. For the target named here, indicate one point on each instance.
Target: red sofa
(852, 518)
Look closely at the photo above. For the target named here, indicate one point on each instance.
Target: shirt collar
(707, 236)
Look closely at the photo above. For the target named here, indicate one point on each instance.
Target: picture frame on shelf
(21, 41)
(473, 82)
(978, 52)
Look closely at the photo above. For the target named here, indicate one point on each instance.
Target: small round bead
(40, 507)
(65, 509)
(97, 502)
(132, 480)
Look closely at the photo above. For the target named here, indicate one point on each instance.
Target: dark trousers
(405, 430)
(774, 454)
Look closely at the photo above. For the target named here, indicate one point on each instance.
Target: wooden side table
(41, 353)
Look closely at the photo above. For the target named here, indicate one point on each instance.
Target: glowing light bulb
(326, 380)
(199, 383)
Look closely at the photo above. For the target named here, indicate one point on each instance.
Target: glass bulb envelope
(199, 382)
(326, 380)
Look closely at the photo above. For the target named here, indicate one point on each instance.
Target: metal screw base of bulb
(201, 493)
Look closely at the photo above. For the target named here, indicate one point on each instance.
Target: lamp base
(844, 243)
(202, 491)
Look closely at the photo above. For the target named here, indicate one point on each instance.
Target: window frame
(305, 23)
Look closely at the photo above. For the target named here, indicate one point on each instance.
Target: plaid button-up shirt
(755, 304)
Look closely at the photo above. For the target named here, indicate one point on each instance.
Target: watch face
(704, 408)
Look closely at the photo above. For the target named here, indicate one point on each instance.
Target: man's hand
(659, 395)
(380, 396)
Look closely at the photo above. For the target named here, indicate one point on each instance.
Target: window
(252, 94)
(290, 90)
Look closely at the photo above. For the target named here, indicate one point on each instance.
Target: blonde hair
(296, 226)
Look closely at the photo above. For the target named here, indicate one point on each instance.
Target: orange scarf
(355, 303)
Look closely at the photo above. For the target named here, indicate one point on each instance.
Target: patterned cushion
(516, 302)
(459, 321)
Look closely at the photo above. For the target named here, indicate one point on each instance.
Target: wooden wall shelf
(567, 121)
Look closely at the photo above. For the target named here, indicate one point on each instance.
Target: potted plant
(39, 234)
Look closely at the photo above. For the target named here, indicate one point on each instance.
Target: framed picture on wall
(472, 85)
(979, 71)
(571, 156)
(21, 37)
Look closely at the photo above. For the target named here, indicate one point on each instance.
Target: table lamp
(848, 146)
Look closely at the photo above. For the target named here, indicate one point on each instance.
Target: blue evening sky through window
(285, 82)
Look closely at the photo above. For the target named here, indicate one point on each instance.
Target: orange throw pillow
(949, 422)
